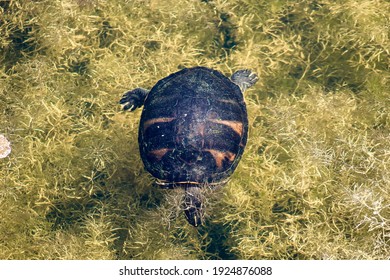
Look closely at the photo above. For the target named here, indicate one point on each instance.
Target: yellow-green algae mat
(313, 182)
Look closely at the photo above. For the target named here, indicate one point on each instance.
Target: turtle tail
(193, 204)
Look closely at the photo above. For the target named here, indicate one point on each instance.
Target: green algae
(313, 181)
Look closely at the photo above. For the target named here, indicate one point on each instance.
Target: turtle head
(193, 204)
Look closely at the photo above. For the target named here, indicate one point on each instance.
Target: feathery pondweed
(313, 182)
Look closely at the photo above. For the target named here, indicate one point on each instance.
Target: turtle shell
(193, 127)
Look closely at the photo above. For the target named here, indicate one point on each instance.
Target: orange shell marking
(236, 126)
(219, 156)
(156, 120)
(158, 154)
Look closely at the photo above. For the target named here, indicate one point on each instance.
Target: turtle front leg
(134, 99)
(244, 79)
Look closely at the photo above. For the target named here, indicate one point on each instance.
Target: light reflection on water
(5, 146)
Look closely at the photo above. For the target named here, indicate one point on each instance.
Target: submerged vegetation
(313, 182)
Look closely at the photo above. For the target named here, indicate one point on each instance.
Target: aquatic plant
(312, 183)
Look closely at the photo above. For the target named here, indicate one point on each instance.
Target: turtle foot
(193, 207)
(134, 99)
(244, 79)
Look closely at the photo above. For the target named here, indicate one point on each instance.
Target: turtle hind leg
(244, 79)
(193, 207)
(134, 99)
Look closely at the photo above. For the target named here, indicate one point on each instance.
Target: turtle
(193, 130)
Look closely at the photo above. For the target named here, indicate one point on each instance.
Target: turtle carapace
(193, 130)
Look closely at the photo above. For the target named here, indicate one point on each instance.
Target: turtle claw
(133, 99)
(244, 79)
